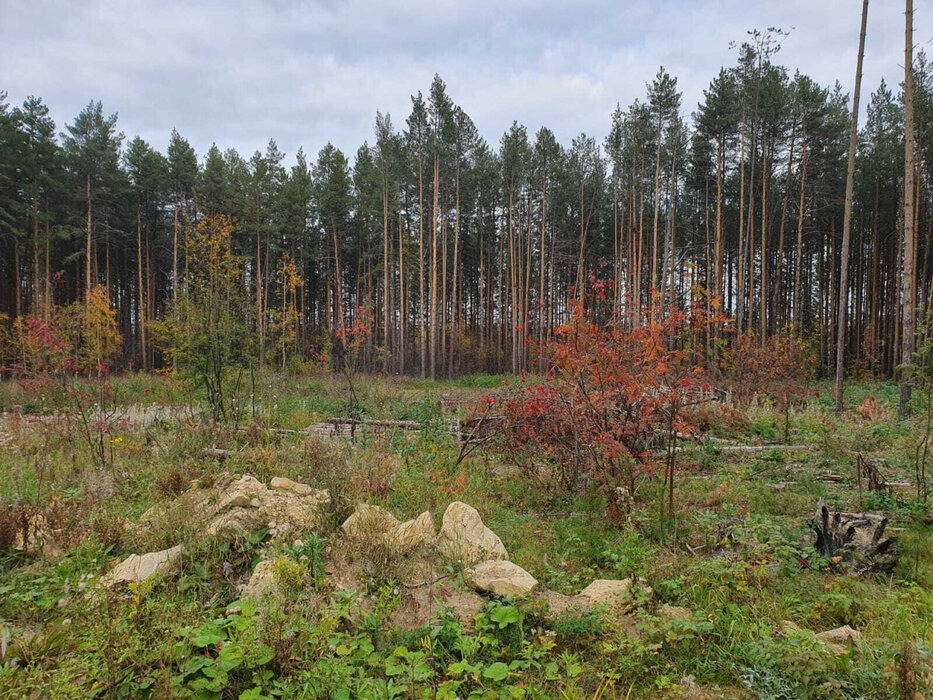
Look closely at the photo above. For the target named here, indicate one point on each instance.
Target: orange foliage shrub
(610, 393)
(776, 368)
(871, 410)
(720, 419)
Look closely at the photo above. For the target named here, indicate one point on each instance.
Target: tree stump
(857, 540)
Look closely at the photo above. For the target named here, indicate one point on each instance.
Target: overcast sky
(309, 72)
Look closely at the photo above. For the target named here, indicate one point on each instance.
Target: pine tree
(183, 169)
(92, 145)
(41, 173)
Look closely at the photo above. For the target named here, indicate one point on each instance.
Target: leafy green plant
(310, 552)
(577, 626)
(221, 655)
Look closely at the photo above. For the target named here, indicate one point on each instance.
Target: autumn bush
(611, 407)
(210, 336)
(14, 523)
(719, 419)
(41, 350)
(68, 354)
(81, 339)
(351, 345)
(776, 368)
(871, 410)
(177, 477)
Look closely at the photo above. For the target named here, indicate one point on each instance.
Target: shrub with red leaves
(610, 408)
(776, 368)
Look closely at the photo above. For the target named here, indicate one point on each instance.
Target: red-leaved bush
(776, 368)
(610, 408)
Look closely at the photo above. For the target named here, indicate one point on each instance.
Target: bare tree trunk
(750, 236)
(435, 218)
(17, 281)
(421, 314)
(873, 302)
(667, 265)
(502, 298)
(258, 284)
(402, 300)
(338, 284)
(513, 285)
(632, 301)
(140, 296)
(541, 298)
(87, 247)
(482, 313)
(36, 286)
(798, 302)
(641, 241)
(454, 291)
(765, 187)
(107, 263)
(616, 255)
(526, 286)
(909, 277)
(47, 297)
(717, 275)
(581, 281)
(386, 296)
(657, 213)
(264, 307)
(175, 256)
(847, 220)
(706, 236)
(778, 290)
(740, 286)
(442, 281)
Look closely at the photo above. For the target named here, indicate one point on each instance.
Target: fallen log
(750, 448)
(762, 448)
(216, 452)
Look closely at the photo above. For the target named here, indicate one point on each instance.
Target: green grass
(168, 639)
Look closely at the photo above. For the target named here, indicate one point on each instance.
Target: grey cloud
(306, 73)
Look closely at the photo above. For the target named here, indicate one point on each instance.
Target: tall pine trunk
(435, 221)
(140, 296)
(909, 276)
(87, 248)
(798, 265)
(843, 302)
